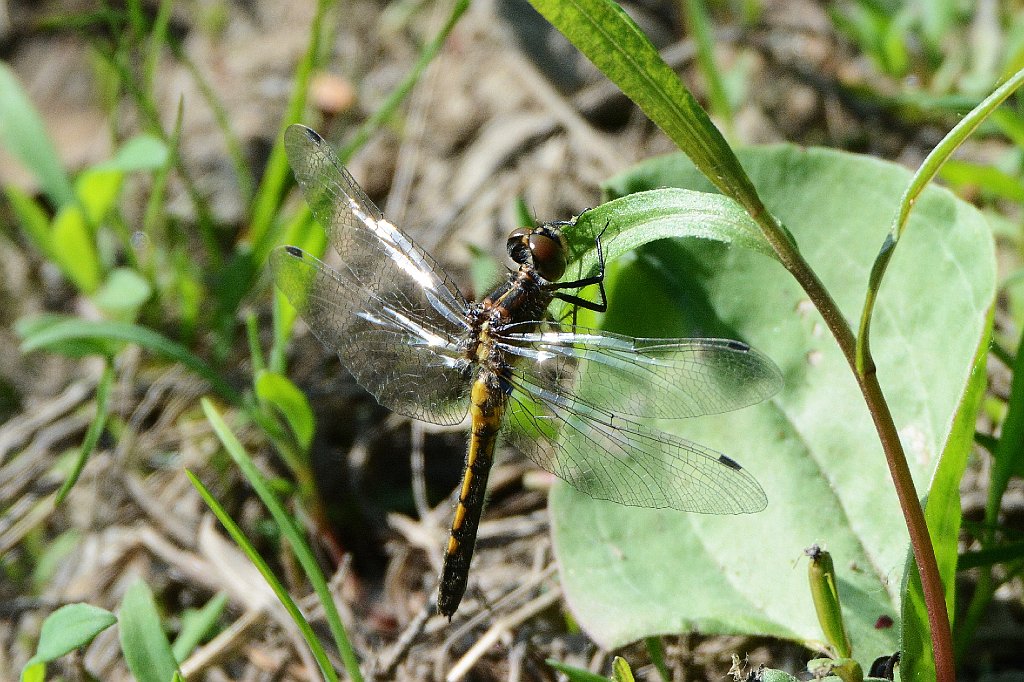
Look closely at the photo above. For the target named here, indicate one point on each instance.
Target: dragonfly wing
(409, 357)
(650, 378)
(393, 315)
(611, 458)
(375, 253)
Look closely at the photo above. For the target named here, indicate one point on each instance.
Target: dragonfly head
(544, 248)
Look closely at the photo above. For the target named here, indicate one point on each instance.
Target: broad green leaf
(97, 191)
(630, 573)
(279, 391)
(123, 293)
(34, 672)
(23, 134)
(143, 641)
(69, 628)
(72, 246)
(626, 222)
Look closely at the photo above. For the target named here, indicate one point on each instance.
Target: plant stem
(867, 380)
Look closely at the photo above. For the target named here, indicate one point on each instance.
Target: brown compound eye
(518, 245)
(548, 256)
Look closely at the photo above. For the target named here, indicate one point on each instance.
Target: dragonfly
(567, 397)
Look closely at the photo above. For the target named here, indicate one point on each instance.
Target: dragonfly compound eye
(548, 256)
(517, 245)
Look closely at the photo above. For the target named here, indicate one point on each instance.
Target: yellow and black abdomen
(487, 403)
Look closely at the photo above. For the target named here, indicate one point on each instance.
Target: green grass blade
(155, 203)
(157, 40)
(292, 533)
(33, 219)
(246, 182)
(398, 95)
(278, 391)
(279, 589)
(944, 515)
(75, 329)
(574, 674)
(92, 435)
(264, 240)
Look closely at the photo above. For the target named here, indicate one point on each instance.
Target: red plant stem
(867, 379)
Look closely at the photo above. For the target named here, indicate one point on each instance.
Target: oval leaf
(72, 246)
(97, 191)
(123, 293)
(69, 628)
(145, 646)
(632, 573)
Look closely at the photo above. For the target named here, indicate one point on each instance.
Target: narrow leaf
(279, 391)
(292, 533)
(268, 574)
(92, 436)
(22, 132)
(196, 625)
(71, 329)
(602, 31)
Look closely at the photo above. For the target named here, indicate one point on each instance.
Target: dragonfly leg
(598, 279)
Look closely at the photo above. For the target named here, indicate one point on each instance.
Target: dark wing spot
(739, 345)
(729, 462)
(294, 251)
(313, 135)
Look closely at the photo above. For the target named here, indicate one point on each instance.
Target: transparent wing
(393, 315)
(410, 360)
(611, 458)
(650, 378)
(374, 253)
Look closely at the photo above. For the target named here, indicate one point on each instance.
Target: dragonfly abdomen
(486, 408)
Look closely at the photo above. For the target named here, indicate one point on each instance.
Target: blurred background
(143, 190)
